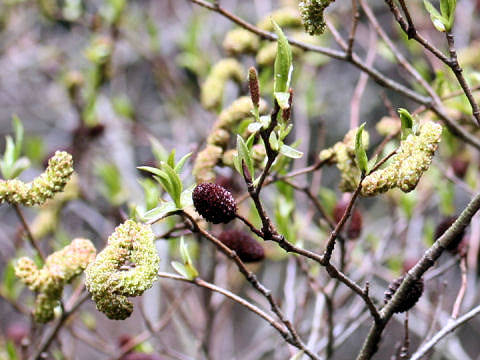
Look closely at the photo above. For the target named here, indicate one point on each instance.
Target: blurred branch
(444, 332)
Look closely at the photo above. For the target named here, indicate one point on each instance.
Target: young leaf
(178, 168)
(290, 152)
(18, 128)
(439, 22)
(407, 122)
(180, 268)
(244, 154)
(160, 211)
(283, 62)
(282, 99)
(254, 127)
(273, 140)
(360, 154)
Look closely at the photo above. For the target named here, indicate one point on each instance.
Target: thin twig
(54, 332)
(444, 332)
(355, 60)
(427, 261)
(31, 238)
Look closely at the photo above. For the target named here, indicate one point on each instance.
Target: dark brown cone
(214, 203)
(246, 247)
(354, 224)
(442, 227)
(411, 298)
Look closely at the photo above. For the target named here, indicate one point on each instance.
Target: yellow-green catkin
(240, 41)
(127, 267)
(43, 187)
(205, 161)
(287, 17)
(408, 165)
(312, 15)
(343, 155)
(46, 221)
(59, 269)
(221, 72)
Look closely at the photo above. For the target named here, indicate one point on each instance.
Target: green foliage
(187, 269)
(167, 175)
(360, 154)
(12, 164)
(443, 20)
(407, 122)
(283, 63)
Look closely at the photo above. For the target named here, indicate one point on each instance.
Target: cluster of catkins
(343, 155)
(408, 165)
(127, 267)
(59, 269)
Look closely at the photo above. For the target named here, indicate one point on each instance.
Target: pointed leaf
(360, 154)
(290, 152)
(283, 62)
(186, 197)
(181, 162)
(254, 127)
(282, 99)
(407, 122)
(171, 159)
(180, 268)
(160, 211)
(18, 128)
(244, 154)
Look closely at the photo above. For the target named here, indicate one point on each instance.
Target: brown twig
(37, 355)
(30, 236)
(427, 261)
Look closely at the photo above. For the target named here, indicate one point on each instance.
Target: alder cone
(354, 224)
(443, 226)
(247, 248)
(411, 298)
(214, 203)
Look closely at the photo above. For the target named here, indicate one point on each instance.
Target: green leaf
(290, 152)
(265, 120)
(8, 158)
(360, 154)
(171, 159)
(18, 128)
(186, 197)
(407, 122)
(177, 185)
(160, 211)
(11, 351)
(244, 154)
(254, 127)
(180, 268)
(19, 166)
(273, 140)
(282, 99)
(283, 62)
(178, 168)
(439, 22)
